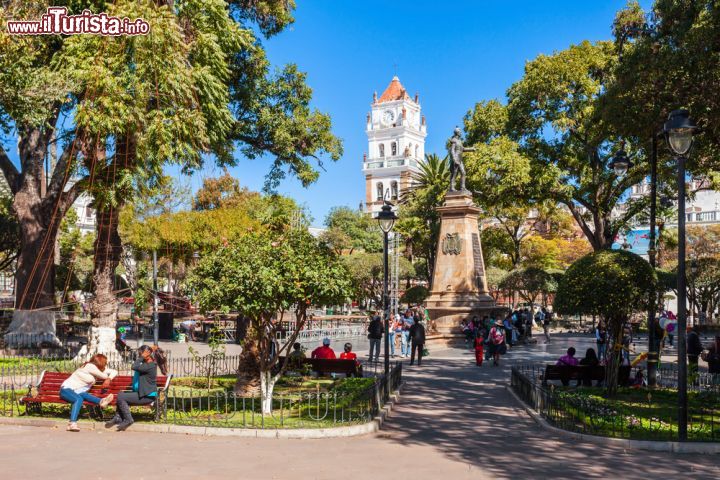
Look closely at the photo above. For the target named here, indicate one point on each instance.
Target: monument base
(459, 288)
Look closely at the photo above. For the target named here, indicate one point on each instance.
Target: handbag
(425, 352)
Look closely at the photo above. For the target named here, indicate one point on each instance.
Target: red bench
(48, 390)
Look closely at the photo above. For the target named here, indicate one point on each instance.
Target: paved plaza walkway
(454, 421)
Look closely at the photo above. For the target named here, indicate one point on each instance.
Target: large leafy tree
(351, 230)
(612, 284)
(670, 59)
(366, 272)
(262, 276)
(123, 107)
(553, 112)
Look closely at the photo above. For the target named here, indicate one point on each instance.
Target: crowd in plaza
(490, 337)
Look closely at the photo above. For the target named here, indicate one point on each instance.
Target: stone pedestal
(459, 288)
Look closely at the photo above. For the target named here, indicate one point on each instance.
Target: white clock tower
(396, 133)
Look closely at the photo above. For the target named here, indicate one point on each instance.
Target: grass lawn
(298, 402)
(636, 413)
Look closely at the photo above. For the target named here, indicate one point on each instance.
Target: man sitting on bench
(324, 351)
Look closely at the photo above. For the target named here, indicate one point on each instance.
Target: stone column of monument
(459, 288)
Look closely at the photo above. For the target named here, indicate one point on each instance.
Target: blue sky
(454, 54)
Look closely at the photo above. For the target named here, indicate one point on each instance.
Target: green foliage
(669, 60)
(76, 256)
(261, 274)
(210, 363)
(9, 229)
(415, 295)
(350, 229)
(609, 283)
(530, 283)
(366, 272)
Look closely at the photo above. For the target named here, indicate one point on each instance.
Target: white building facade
(396, 132)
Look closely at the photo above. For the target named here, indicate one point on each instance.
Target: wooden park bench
(583, 374)
(324, 366)
(48, 390)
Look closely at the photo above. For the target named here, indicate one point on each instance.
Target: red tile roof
(394, 91)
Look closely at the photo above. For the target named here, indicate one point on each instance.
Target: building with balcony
(396, 132)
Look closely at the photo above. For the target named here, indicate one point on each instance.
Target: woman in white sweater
(75, 390)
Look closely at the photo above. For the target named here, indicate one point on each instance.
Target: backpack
(497, 336)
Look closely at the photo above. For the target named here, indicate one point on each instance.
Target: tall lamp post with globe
(386, 219)
(678, 130)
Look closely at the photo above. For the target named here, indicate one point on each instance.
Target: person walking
(601, 340)
(479, 350)
(417, 338)
(694, 349)
(546, 319)
(508, 326)
(375, 334)
(497, 342)
(407, 323)
(76, 388)
(144, 385)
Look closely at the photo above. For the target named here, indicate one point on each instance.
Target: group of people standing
(408, 329)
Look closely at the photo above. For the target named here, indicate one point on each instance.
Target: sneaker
(73, 427)
(106, 401)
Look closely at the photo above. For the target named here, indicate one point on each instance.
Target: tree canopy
(609, 283)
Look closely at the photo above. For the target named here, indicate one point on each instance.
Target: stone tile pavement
(454, 421)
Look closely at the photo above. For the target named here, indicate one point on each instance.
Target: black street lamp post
(679, 130)
(386, 219)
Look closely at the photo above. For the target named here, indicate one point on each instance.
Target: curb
(300, 433)
(655, 446)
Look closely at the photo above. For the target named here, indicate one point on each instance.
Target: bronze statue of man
(456, 150)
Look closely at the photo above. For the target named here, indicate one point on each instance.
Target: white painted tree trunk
(267, 384)
(100, 340)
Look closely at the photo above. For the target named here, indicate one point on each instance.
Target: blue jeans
(405, 343)
(601, 351)
(77, 399)
(391, 341)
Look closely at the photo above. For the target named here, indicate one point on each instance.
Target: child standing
(479, 353)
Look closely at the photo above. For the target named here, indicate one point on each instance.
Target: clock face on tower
(387, 117)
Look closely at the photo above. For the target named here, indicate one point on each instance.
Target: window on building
(417, 151)
(89, 212)
(394, 190)
(393, 149)
(382, 150)
(379, 191)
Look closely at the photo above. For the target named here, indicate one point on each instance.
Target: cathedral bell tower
(396, 133)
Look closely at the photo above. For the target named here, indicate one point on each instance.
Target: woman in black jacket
(144, 385)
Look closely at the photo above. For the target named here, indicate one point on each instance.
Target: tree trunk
(104, 306)
(267, 384)
(614, 354)
(248, 375)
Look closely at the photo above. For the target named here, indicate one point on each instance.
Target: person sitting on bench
(324, 351)
(296, 357)
(567, 360)
(348, 354)
(75, 390)
(144, 385)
